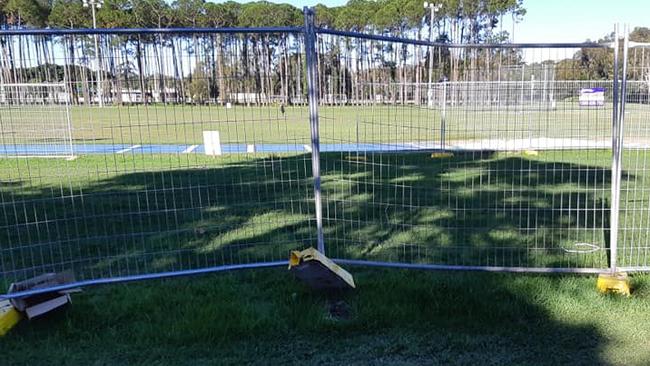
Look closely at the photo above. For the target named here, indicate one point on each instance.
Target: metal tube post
(94, 4)
(616, 155)
(621, 130)
(430, 87)
(443, 116)
(100, 93)
(433, 8)
(312, 86)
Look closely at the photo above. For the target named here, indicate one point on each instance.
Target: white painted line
(307, 148)
(128, 149)
(190, 149)
(250, 148)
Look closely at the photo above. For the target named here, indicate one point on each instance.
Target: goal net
(35, 121)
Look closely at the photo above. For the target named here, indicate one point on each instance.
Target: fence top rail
(295, 30)
(31, 85)
(498, 82)
(143, 31)
(385, 38)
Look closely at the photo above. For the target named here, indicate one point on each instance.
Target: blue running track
(85, 149)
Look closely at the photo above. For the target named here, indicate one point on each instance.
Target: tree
(325, 17)
(199, 87)
(588, 63)
(220, 16)
(271, 64)
(32, 13)
(69, 14)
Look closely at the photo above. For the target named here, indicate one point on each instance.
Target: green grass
(112, 215)
(116, 215)
(182, 124)
(397, 317)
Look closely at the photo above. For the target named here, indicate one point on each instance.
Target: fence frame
(310, 32)
(312, 86)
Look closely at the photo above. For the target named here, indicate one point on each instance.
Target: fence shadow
(484, 209)
(474, 209)
(469, 209)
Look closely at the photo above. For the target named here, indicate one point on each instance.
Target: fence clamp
(318, 271)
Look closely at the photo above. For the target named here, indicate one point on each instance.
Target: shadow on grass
(258, 317)
(480, 209)
(471, 209)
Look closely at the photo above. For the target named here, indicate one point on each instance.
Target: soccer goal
(35, 120)
(497, 95)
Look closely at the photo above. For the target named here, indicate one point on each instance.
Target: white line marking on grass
(307, 148)
(190, 149)
(128, 149)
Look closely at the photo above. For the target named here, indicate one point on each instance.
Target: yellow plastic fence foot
(617, 283)
(9, 317)
(318, 271)
(438, 155)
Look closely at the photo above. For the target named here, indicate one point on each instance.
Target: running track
(474, 145)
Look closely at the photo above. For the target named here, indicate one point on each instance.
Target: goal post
(35, 120)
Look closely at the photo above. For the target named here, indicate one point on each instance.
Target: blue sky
(577, 20)
(559, 20)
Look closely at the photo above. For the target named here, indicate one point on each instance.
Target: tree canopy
(469, 20)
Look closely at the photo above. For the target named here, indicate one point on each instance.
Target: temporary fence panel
(147, 195)
(634, 240)
(203, 150)
(470, 171)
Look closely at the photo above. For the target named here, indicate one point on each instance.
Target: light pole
(96, 4)
(433, 8)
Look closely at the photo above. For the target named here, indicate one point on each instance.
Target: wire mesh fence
(207, 149)
(439, 174)
(634, 247)
(193, 152)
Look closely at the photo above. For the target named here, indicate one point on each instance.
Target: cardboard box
(35, 305)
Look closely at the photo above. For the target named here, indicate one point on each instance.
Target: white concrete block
(212, 143)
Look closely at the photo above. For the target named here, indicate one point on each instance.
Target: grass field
(395, 318)
(121, 214)
(116, 215)
(159, 124)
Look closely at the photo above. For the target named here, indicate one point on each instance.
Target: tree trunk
(223, 93)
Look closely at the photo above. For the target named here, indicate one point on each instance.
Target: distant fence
(204, 150)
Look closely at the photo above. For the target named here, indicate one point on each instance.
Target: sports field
(178, 124)
(178, 129)
(113, 214)
(240, 124)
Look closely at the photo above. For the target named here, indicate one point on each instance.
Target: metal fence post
(312, 86)
(443, 116)
(618, 118)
